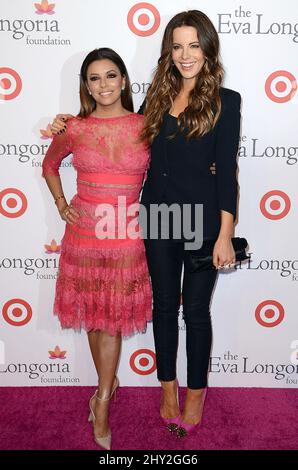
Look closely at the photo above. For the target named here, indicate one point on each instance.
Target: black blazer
(180, 172)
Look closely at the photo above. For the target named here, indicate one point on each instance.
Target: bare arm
(67, 212)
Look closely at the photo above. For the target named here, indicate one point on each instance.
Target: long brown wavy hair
(88, 103)
(204, 105)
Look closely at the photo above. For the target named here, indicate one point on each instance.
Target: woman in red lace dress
(103, 284)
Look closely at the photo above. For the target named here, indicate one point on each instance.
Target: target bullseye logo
(280, 86)
(275, 205)
(143, 19)
(17, 312)
(269, 313)
(10, 83)
(143, 361)
(13, 203)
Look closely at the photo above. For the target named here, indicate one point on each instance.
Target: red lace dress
(103, 282)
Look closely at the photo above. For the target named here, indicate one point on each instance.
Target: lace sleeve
(60, 147)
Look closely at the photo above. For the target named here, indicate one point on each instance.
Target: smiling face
(187, 54)
(105, 82)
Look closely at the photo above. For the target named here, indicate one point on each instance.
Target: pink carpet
(234, 418)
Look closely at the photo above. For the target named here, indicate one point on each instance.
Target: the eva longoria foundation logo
(143, 19)
(275, 205)
(46, 133)
(42, 268)
(255, 148)
(17, 312)
(143, 362)
(286, 268)
(54, 371)
(139, 88)
(33, 153)
(246, 22)
(57, 353)
(280, 86)
(269, 313)
(53, 248)
(13, 203)
(39, 28)
(230, 363)
(44, 8)
(10, 84)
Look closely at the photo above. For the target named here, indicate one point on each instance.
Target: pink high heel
(172, 424)
(185, 429)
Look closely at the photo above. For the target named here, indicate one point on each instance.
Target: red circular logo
(13, 203)
(10, 83)
(17, 312)
(281, 86)
(269, 313)
(275, 205)
(143, 362)
(143, 19)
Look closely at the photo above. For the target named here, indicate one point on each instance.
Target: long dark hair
(204, 106)
(88, 104)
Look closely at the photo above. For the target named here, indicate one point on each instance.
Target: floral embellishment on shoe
(181, 432)
(44, 8)
(46, 133)
(53, 248)
(172, 427)
(57, 353)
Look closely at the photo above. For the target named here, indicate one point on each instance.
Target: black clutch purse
(202, 259)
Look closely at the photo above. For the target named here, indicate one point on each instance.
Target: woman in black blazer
(190, 122)
(180, 173)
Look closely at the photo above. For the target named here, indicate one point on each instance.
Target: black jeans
(165, 260)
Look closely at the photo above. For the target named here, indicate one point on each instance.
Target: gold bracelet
(59, 197)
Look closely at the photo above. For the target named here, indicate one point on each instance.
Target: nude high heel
(105, 441)
(113, 393)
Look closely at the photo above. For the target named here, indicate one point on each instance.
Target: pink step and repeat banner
(254, 308)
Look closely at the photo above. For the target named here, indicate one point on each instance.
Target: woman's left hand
(223, 253)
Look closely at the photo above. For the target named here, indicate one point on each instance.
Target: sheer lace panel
(109, 145)
(59, 148)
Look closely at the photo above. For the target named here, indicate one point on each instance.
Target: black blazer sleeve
(226, 150)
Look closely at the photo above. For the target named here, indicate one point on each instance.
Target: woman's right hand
(68, 213)
(58, 125)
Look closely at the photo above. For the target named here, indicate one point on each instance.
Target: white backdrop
(254, 308)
